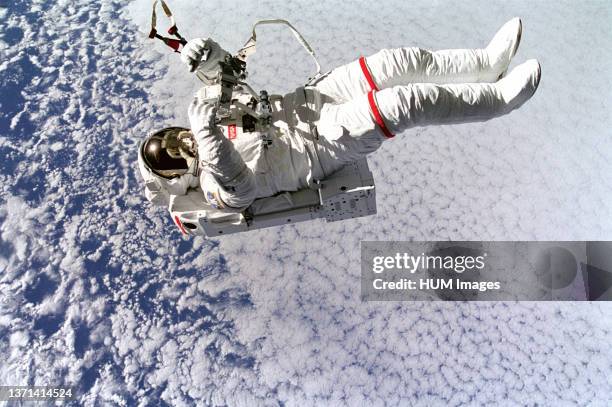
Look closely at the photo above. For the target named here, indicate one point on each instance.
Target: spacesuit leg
(402, 66)
(370, 118)
(403, 107)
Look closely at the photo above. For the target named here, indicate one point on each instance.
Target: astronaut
(337, 118)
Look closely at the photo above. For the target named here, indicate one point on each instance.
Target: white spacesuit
(339, 117)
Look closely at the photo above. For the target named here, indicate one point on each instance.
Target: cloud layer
(100, 291)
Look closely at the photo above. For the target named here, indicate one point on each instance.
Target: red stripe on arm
(367, 74)
(377, 116)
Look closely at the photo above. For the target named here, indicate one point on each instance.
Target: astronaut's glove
(202, 116)
(195, 52)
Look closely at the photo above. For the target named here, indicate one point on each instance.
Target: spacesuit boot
(520, 84)
(504, 45)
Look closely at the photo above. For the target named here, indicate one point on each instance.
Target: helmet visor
(159, 157)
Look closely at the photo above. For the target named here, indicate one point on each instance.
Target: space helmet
(170, 152)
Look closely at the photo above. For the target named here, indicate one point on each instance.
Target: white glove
(195, 51)
(202, 115)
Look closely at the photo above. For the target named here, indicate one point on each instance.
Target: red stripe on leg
(367, 74)
(377, 116)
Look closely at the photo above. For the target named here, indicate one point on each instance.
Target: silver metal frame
(346, 194)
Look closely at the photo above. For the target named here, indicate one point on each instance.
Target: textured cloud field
(97, 289)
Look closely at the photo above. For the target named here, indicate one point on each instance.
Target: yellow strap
(167, 11)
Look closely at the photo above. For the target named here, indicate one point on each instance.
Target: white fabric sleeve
(219, 157)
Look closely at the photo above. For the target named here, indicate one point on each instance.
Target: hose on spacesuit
(249, 47)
